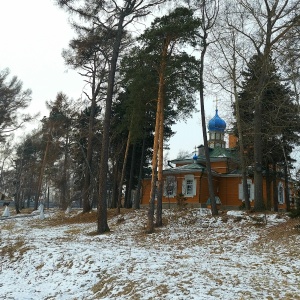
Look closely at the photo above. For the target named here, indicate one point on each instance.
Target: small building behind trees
(187, 178)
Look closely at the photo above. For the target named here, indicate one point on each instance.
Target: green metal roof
(185, 168)
(219, 152)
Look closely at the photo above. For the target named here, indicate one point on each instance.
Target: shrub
(295, 212)
(181, 200)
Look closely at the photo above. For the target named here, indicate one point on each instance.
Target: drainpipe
(169, 164)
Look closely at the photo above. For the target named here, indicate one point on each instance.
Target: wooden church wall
(202, 192)
(228, 191)
(226, 188)
(146, 188)
(220, 166)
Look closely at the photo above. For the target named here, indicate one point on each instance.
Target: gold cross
(216, 102)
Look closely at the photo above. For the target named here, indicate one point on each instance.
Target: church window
(189, 186)
(170, 186)
(280, 193)
(250, 190)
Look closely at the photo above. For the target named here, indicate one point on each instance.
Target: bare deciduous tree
(114, 17)
(265, 24)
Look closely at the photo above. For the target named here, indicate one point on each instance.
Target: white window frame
(281, 196)
(250, 190)
(189, 185)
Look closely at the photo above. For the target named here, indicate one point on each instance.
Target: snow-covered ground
(194, 256)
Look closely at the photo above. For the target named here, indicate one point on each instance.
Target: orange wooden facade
(226, 187)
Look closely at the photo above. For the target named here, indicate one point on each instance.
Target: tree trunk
(214, 209)
(241, 139)
(17, 199)
(102, 225)
(242, 159)
(65, 187)
(89, 157)
(157, 138)
(129, 200)
(150, 222)
(137, 200)
(258, 177)
(268, 187)
(40, 180)
(123, 172)
(114, 195)
(286, 178)
(158, 222)
(275, 191)
(286, 188)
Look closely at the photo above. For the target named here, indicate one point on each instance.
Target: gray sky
(33, 34)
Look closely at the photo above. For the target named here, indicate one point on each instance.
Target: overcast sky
(33, 34)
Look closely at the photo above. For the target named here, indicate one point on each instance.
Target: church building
(188, 177)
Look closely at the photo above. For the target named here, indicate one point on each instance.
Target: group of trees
(137, 86)
(280, 125)
(263, 30)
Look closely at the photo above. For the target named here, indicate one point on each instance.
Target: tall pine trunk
(286, 188)
(258, 175)
(158, 138)
(137, 200)
(130, 183)
(150, 220)
(115, 184)
(268, 187)
(241, 143)
(65, 199)
(41, 175)
(275, 190)
(102, 225)
(123, 172)
(89, 156)
(160, 187)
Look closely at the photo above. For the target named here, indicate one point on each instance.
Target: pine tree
(161, 50)
(279, 123)
(13, 100)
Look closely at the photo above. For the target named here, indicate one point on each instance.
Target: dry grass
(61, 218)
(281, 233)
(131, 288)
(104, 286)
(9, 226)
(15, 249)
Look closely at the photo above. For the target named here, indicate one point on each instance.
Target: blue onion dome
(195, 157)
(216, 123)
